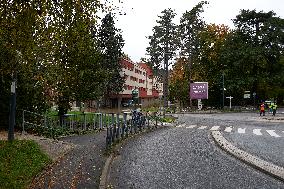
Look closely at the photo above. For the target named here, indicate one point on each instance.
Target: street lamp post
(223, 90)
(12, 116)
(254, 94)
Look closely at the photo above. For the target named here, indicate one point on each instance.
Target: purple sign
(199, 90)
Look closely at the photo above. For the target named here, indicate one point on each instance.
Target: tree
(190, 26)
(178, 86)
(163, 45)
(211, 67)
(19, 23)
(110, 44)
(52, 48)
(253, 52)
(73, 70)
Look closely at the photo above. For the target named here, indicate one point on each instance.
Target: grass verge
(20, 162)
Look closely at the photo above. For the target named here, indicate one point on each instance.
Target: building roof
(128, 63)
(147, 68)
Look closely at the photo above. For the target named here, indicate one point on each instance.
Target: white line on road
(214, 128)
(191, 126)
(272, 133)
(202, 127)
(256, 131)
(241, 130)
(228, 129)
(182, 125)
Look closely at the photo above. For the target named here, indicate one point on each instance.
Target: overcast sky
(141, 16)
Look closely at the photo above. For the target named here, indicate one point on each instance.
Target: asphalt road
(186, 157)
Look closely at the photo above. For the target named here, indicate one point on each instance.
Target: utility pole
(12, 115)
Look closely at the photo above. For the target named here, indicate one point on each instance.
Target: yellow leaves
(219, 32)
(178, 72)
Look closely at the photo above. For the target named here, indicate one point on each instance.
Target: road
(186, 156)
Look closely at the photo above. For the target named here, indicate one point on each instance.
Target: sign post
(199, 90)
(230, 97)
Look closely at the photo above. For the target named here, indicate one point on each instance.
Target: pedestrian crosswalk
(235, 129)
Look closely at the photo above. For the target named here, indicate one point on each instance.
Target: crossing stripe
(191, 126)
(256, 131)
(214, 128)
(228, 129)
(241, 130)
(202, 127)
(272, 133)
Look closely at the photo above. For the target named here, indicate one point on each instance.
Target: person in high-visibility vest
(262, 109)
(274, 107)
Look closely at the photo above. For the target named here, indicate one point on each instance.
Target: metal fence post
(117, 126)
(23, 132)
(156, 124)
(108, 138)
(147, 117)
(112, 128)
(95, 119)
(84, 121)
(124, 125)
(101, 121)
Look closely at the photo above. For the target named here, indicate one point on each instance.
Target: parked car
(127, 104)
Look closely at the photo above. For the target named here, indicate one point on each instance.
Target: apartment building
(139, 76)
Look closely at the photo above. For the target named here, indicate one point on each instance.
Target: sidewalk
(80, 168)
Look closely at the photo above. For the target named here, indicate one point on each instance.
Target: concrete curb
(105, 172)
(256, 162)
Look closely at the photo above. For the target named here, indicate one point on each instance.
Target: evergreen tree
(163, 46)
(110, 44)
(191, 25)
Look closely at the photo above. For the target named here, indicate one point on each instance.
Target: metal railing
(138, 122)
(118, 126)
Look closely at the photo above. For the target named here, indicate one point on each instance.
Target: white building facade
(139, 76)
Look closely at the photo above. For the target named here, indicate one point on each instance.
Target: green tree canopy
(110, 44)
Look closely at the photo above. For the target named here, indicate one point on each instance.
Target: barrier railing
(118, 126)
(138, 122)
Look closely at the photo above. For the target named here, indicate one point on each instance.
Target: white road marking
(228, 129)
(241, 130)
(182, 125)
(272, 133)
(202, 127)
(214, 128)
(191, 126)
(256, 131)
